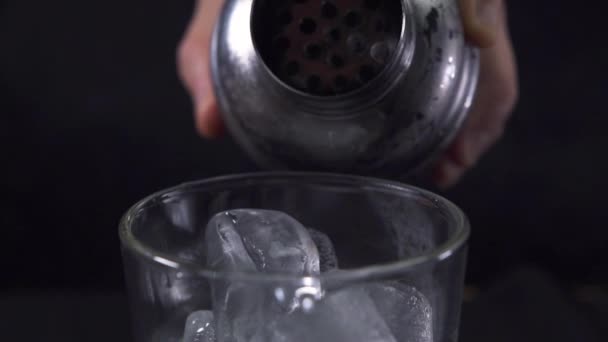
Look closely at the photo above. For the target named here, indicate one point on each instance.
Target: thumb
(479, 18)
(193, 67)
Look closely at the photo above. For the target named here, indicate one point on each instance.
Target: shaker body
(392, 124)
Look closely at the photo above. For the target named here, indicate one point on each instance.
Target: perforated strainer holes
(326, 47)
(340, 82)
(380, 25)
(308, 26)
(284, 18)
(380, 52)
(336, 61)
(329, 10)
(356, 43)
(352, 19)
(334, 34)
(366, 73)
(312, 51)
(292, 68)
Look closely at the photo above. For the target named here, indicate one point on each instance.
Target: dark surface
(61, 316)
(525, 306)
(528, 305)
(93, 118)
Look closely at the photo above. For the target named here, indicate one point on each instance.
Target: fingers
(479, 20)
(485, 25)
(494, 101)
(193, 67)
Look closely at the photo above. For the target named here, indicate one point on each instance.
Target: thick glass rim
(442, 252)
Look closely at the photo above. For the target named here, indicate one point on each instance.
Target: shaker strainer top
(326, 47)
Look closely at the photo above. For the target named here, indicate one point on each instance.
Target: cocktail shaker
(374, 87)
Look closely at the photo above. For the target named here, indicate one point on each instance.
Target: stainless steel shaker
(376, 87)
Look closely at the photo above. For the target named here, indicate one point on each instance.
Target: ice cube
(225, 249)
(199, 327)
(405, 310)
(243, 308)
(170, 290)
(348, 315)
(268, 240)
(257, 240)
(327, 255)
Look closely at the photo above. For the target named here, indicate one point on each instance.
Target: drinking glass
(383, 232)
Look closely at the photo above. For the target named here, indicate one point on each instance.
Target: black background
(93, 118)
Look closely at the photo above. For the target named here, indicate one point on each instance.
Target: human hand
(193, 67)
(485, 23)
(485, 26)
